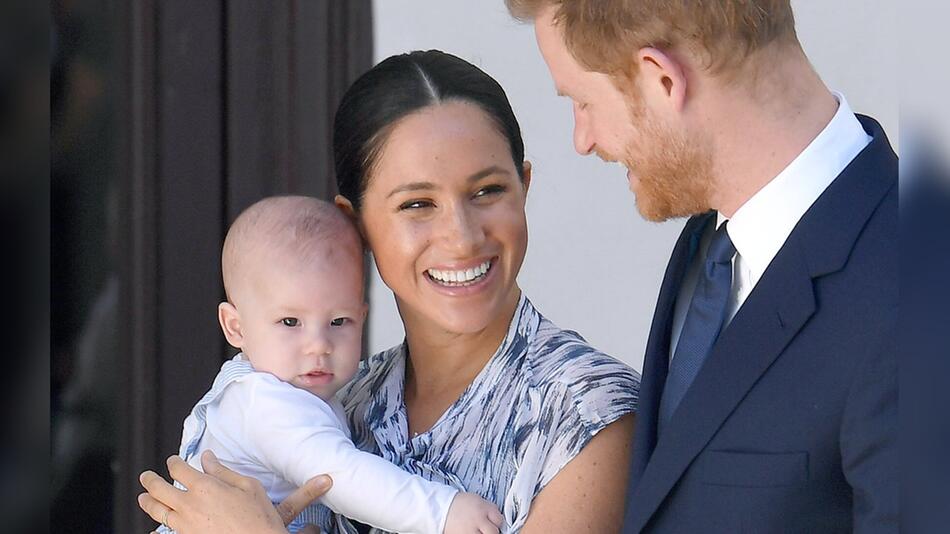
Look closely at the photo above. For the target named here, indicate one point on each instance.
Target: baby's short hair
(306, 228)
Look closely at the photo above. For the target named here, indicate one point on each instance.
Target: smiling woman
(465, 212)
(485, 393)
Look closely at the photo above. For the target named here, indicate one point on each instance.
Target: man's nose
(583, 140)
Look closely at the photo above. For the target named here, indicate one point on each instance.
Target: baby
(293, 275)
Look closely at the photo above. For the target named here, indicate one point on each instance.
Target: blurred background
(168, 117)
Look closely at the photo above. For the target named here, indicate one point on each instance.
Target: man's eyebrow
(425, 186)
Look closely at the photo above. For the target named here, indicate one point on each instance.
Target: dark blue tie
(704, 319)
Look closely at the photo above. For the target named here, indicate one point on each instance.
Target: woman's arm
(220, 500)
(589, 493)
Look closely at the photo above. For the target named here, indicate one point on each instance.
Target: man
(768, 401)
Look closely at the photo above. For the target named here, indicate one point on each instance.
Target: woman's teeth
(460, 278)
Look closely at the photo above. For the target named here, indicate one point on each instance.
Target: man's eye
(290, 321)
(339, 321)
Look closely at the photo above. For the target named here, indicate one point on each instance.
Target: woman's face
(444, 216)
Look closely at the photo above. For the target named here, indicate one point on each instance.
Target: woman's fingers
(160, 490)
(179, 470)
(309, 529)
(213, 467)
(210, 504)
(291, 507)
(156, 510)
(152, 507)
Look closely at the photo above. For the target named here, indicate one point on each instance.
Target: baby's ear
(230, 321)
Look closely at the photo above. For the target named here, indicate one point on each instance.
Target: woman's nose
(583, 140)
(462, 230)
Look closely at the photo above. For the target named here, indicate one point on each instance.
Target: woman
(485, 394)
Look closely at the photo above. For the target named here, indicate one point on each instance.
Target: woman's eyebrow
(412, 186)
(488, 171)
(423, 186)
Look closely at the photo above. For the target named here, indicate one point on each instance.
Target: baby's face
(302, 322)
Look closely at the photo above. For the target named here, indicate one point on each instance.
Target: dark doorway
(168, 117)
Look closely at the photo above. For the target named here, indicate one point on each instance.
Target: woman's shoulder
(566, 357)
(562, 363)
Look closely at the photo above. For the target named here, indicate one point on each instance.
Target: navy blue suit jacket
(790, 425)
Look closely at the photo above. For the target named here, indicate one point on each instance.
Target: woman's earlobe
(345, 206)
(526, 172)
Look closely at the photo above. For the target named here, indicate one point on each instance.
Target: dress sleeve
(590, 393)
(296, 435)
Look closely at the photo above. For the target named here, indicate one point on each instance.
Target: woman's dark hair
(397, 87)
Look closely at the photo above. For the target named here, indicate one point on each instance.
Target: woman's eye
(339, 321)
(290, 321)
(490, 190)
(415, 204)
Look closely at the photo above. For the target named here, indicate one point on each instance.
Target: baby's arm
(293, 433)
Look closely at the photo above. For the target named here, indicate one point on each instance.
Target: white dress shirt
(761, 225)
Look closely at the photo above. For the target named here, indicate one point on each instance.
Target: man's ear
(231, 324)
(661, 78)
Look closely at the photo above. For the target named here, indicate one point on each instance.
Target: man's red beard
(673, 171)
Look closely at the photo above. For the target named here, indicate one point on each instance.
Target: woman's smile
(462, 279)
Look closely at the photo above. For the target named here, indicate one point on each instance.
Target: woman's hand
(220, 500)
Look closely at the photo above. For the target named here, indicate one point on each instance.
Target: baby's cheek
(351, 366)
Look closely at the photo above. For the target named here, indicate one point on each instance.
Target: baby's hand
(470, 514)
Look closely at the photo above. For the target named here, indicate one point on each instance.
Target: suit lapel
(774, 313)
(768, 320)
(656, 360)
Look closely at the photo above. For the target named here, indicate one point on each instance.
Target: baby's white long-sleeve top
(282, 436)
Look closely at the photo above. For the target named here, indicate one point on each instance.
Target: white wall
(593, 265)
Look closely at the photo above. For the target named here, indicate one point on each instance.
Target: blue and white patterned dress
(538, 401)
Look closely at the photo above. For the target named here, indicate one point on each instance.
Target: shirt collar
(760, 226)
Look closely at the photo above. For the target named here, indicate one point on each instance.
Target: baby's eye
(339, 321)
(290, 321)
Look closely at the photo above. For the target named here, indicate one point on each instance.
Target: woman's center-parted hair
(304, 229)
(402, 85)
